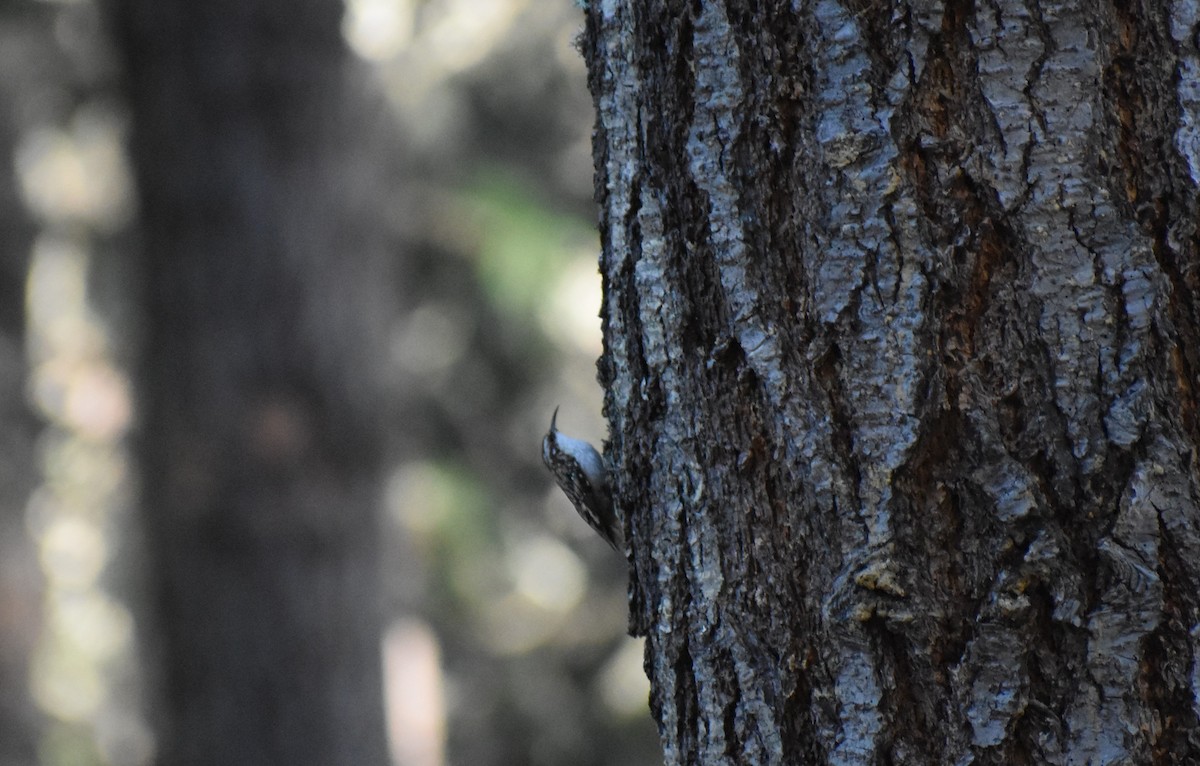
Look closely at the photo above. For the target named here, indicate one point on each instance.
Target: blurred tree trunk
(259, 444)
(902, 325)
(20, 580)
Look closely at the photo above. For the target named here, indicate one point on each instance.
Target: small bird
(582, 475)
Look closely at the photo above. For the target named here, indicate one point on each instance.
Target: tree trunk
(260, 442)
(20, 580)
(902, 343)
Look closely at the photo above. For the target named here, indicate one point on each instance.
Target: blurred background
(503, 617)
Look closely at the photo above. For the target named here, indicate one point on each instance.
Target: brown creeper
(581, 474)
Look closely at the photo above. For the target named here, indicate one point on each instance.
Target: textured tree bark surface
(260, 442)
(902, 344)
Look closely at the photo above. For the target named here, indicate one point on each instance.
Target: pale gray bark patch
(1185, 16)
(759, 688)
(713, 132)
(1074, 307)
(1009, 51)
(869, 291)
(617, 102)
(660, 311)
(856, 692)
(847, 129)
(1175, 500)
(1086, 257)
(870, 296)
(1007, 481)
(1195, 636)
(1089, 268)
(1107, 719)
(993, 695)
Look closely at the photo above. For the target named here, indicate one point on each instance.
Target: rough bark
(259, 443)
(902, 336)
